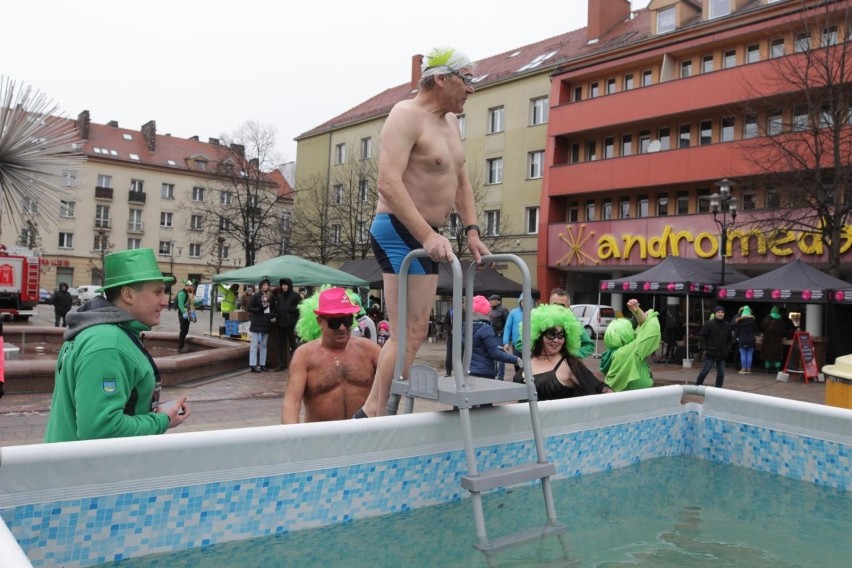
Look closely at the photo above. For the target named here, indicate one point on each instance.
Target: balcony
(135, 227)
(103, 193)
(136, 196)
(103, 223)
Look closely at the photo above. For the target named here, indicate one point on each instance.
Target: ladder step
(522, 537)
(507, 476)
(476, 390)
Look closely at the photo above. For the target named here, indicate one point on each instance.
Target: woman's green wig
(547, 316)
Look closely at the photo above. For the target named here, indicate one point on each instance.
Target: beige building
(141, 189)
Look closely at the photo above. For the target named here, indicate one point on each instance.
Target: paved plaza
(247, 399)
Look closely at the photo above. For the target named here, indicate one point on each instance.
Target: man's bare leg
(421, 296)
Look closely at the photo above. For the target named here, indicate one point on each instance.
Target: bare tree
(101, 247)
(354, 196)
(454, 231)
(802, 142)
(312, 233)
(241, 202)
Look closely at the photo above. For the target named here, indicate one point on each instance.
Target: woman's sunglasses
(553, 334)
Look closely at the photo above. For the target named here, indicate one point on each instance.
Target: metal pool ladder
(464, 392)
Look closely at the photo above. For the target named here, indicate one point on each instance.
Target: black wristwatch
(469, 228)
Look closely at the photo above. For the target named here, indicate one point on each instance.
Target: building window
(776, 48)
(644, 141)
(719, 8)
(137, 185)
(492, 223)
(366, 148)
(495, 119)
(340, 154)
(200, 165)
(224, 224)
(802, 43)
(167, 191)
(682, 204)
(30, 205)
(364, 190)
(665, 137)
(462, 126)
(165, 248)
(683, 136)
(363, 232)
(642, 206)
(66, 240)
(703, 204)
(750, 126)
(749, 201)
(198, 194)
(66, 209)
(226, 197)
(194, 250)
(102, 216)
(531, 217)
(730, 59)
(610, 86)
(800, 118)
(590, 210)
(226, 252)
(336, 234)
(573, 211)
(647, 78)
(606, 209)
(454, 224)
(685, 69)
(337, 194)
(575, 152)
(624, 208)
(728, 123)
(539, 109)
(104, 181)
(535, 166)
(753, 53)
(705, 128)
(101, 243)
(662, 205)
(829, 36)
(626, 144)
(591, 151)
(774, 124)
(69, 178)
(609, 148)
(578, 94)
(665, 20)
(195, 222)
(707, 63)
(594, 90)
(166, 219)
(772, 198)
(628, 82)
(134, 220)
(495, 170)
(134, 243)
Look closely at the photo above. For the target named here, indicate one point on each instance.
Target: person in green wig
(625, 360)
(558, 371)
(106, 383)
(772, 348)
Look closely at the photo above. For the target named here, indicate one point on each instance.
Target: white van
(594, 317)
(87, 292)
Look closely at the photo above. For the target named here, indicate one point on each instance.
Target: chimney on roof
(194, 138)
(83, 122)
(113, 123)
(214, 141)
(416, 71)
(604, 15)
(149, 133)
(239, 150)
(255, 163)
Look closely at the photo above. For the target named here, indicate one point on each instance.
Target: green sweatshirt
(627, 367)
(104, 382)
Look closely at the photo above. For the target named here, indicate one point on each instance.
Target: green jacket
(627, 367)
(229, 299)
(182, 302)
(105, 384)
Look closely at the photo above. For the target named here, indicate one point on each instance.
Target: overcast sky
(207, 67)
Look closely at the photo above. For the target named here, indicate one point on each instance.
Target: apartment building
(138, 188)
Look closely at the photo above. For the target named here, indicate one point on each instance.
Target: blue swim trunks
(391, 242)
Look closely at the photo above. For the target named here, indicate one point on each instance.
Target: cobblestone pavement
(247, 399)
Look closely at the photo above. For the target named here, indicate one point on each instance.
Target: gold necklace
(336, 359)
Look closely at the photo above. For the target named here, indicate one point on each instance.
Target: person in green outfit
(107, 384)
(625, 361)
(229, 299)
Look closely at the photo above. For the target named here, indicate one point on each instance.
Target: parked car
(594, 317)
(87, 292)
(202, 296)
(43, 295)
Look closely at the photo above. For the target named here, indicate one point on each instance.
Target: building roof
(525, 60)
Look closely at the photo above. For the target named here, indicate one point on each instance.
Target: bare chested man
(422, 175)
(332, 374)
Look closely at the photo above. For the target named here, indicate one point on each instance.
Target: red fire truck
(19, 282)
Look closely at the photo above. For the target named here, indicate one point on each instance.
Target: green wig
(547, 316)
(308, 328)
(619, 333)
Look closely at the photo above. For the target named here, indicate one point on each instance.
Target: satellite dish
(654, 146)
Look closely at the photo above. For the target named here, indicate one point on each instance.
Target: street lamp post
(722, 204)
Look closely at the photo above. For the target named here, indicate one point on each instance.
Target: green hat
(130, 267)
(746, 311)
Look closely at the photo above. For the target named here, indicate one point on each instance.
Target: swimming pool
(82, 503)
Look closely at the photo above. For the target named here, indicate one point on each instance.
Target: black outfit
(447, 324)
(548, 387)
(61, 301)
(286, 316)
(182, 300)
(671, 333)
(260, 322)
(716, 338)
(498, 318)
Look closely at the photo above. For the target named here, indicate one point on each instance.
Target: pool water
(666, 512)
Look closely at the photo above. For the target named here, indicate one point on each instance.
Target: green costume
(625, 360)
(105, 383)
(229, 299)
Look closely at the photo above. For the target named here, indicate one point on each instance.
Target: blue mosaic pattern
(88, 531)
